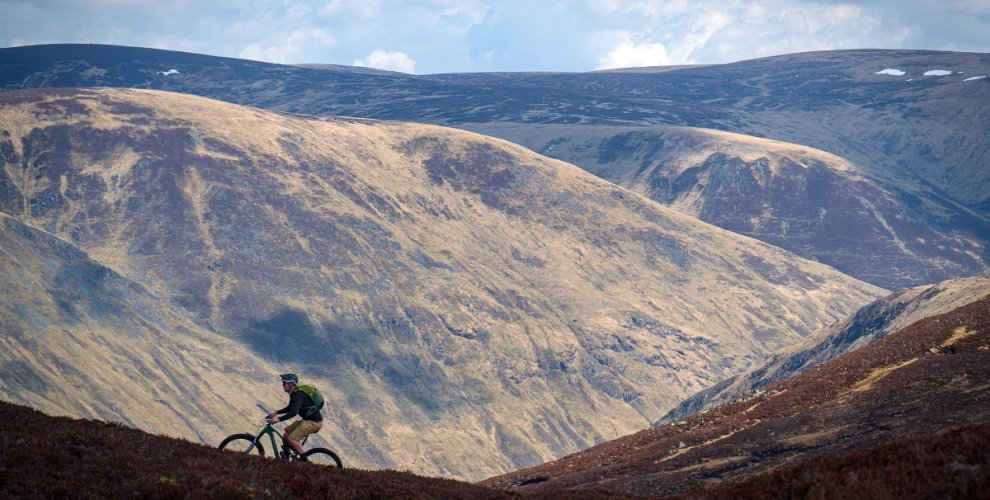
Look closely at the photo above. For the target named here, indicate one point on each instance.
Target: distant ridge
(917, 213)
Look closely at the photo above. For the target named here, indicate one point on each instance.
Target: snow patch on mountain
(172, 71)
(975, 78)
(937, 72)
(890, 71)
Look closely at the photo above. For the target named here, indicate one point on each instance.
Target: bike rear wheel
(241, 442)
(323, 456)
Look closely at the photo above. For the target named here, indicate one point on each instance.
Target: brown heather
(42, 456)
(904, 417)
(952, 464)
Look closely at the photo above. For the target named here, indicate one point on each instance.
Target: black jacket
(297, 401)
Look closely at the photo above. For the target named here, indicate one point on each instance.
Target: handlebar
(268, 418)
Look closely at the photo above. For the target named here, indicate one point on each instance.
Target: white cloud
(960, 6)
(631, 54)
(392, 61)
(488, 56)
(642, 8)
(360, 9)
(704, 27)
(297, 47)
(458, 17)
(836, 14)
(755, 11)
(475, 35)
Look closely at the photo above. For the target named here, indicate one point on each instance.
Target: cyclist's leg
(300, 432)
(286, 443)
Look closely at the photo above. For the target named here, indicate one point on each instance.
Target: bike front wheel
(242, 442)
(323, 456)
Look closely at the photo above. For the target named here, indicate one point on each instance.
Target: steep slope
(911, 391)
(80, 339)
(810, 202)
(873, 322)
(470, 307)
(919, 141)
(85, 459)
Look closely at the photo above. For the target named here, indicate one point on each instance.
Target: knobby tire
(241, 442)
(323, 456)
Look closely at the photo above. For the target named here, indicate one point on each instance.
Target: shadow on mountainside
(331, 349)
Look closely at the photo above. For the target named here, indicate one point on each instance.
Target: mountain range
(889, 146)
(486, 272)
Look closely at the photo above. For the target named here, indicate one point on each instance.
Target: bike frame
(271, 433)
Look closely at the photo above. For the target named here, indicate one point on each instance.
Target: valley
(698, 280)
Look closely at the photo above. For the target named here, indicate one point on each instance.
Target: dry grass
(878, 374)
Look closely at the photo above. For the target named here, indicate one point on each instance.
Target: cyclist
(299, 403)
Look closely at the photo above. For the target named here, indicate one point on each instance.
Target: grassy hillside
(917, 213)
(90, 459)
(469, 307)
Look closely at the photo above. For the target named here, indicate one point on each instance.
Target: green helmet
(289, 378)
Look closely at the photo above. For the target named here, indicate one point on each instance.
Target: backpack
(317, 398)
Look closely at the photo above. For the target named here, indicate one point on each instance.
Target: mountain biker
(298, 400)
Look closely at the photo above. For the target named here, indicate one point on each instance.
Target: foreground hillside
(469, 307)
(88, 459)
(906, 416)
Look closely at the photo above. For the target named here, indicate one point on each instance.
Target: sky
(446, 36)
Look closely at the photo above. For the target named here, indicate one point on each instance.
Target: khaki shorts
(299, 429)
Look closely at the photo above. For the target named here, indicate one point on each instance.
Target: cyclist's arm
(295, 404)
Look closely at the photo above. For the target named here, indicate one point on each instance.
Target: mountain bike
(252, 443)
